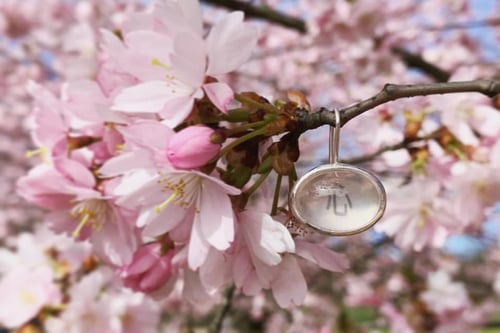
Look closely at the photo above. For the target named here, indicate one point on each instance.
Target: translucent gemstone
(338, 199)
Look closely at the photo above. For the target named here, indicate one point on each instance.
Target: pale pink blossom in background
(444, 295)
(417, 215)
(24, 292)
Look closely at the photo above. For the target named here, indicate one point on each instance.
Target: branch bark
(391, 92)
(416, 61)
(262, 12)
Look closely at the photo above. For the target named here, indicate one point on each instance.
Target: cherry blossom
(227, 46)
(164, 141)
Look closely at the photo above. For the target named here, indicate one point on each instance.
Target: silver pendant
(337, 199)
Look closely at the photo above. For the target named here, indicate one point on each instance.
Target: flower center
(423, 215)
(92, 212)
(27, 297)
(183, 190)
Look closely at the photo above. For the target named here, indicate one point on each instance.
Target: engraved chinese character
(338, 198)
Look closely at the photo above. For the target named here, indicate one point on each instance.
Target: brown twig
(224, 309)
(406, 143)
(263, 12)
(486, 23)
(393, 92)
(416, 61)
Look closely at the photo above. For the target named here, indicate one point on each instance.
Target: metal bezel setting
(332, 168)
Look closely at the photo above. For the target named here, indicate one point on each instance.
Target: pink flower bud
(149, 269)
(193, 147)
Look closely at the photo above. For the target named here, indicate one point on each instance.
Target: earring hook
(333, 157)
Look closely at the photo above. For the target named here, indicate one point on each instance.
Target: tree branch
(406, 143)
(262, 12)
(416, 61)
(391, 92)
(489, 22)
(223, 310)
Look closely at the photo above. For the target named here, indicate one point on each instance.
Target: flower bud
(149, 270)
(193, 147)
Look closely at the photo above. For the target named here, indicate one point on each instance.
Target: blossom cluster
(135, 164)
(164, 174)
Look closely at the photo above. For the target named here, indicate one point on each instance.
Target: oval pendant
(337, 199)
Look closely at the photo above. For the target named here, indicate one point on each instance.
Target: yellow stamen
(42, 151)
(423, 214)
(93, 212)
(79, 227)
(156, 62)
(178, 195)
(171, 198)
(119, 148)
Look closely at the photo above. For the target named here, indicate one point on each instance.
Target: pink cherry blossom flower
(475, 188)
(265, 259)
(24, 293)
(266, 238)
(227, 47)
(79, 210)
(260, 262)
(464, 114)
(171, 200)
(193, 147)
(87, 310)
(134, 312)
(443, 295)
(417, 215)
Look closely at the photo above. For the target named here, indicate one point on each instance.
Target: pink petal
(156, 277)
(179, 16)
(126, 162)
(75, 171)
(147, 134)
(265, 238)
(289, 287)
(189, 59)
(144, 47)
(324, 257)
(198, 246)
(216, 217)
(228, 189)
(216, 271)
(220, 94)
(160, 223)
(193, 290)
(242, 267)
(148, 97)
(230, 44)
(115, 242)
(83, 98)
(50, 125)
(139, 188)
(60, 221)
(176, 110)
(182, 232)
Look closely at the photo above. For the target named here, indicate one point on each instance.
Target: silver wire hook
(333, 157)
